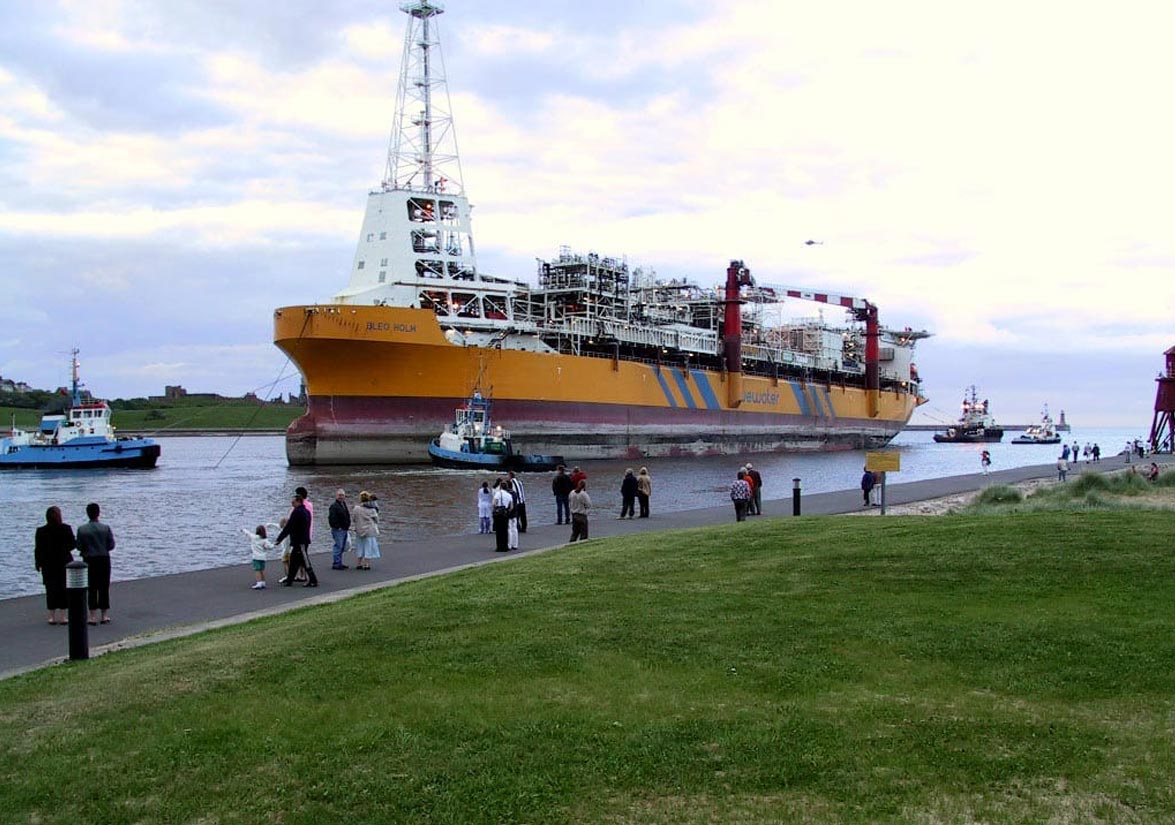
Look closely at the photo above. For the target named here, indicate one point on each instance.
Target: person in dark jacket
(95, 541)
(53, 550)
(339, 518)
(628, 495)
(867, 482)
(561, 486)
(756, 506)
(297, 529)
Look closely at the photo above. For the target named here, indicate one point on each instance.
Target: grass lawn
(226, 415)
(969, 668)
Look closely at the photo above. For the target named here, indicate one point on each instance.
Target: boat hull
(382, 381)
(491, 461)
(987, 437)
(129, 453)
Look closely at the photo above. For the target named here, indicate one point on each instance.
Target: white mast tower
(417, 235)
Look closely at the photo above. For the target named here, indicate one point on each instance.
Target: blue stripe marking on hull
(683, 385)
(705, 390)
(801, 398)
(665, 388)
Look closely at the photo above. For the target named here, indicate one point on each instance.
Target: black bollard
(77, 583)
(795, 496)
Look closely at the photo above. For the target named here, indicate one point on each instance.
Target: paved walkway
(149, 610)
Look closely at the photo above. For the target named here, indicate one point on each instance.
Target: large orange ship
(593, 360)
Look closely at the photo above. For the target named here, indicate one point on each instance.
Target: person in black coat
(54, 544)
(339, 518)
(297, 529)
(628, 495)
(561, 486)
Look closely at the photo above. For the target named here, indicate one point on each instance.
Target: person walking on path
(757, 491)
(867, 482)
(297, 529)
(985, 461)
(259, 547)
(1074, 456)
(503, 501)
(485, 509)
(519, 493)
(1096, 451)
(1062, 467)
(644, 489)
(365, 518)
(561, 487)
(628, 495)
(581, 506)
(339, 518)
(740, 494)
(53, 550)
(95, 541)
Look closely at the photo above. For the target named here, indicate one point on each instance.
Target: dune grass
(960, 669)
(1122, 490)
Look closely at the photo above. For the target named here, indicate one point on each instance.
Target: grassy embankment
(996, 667)
(228, 415)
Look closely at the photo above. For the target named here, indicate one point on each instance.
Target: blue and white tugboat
(81, 438)
(474, 442)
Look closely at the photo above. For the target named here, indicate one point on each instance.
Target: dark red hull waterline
(380, 430)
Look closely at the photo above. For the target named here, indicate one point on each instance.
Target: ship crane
(738, 276)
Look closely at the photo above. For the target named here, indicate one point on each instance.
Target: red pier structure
(1163, 427)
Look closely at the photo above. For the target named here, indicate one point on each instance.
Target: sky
(999, 174)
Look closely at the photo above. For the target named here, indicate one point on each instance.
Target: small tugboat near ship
(81, 438)
(976, 424)
(1043, 433)
(474, 442)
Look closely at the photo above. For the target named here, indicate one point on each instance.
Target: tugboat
(1043, 433)
(976, 424)
(474, 442)
(81, 438)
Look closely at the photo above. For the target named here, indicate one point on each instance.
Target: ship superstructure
(594, 358)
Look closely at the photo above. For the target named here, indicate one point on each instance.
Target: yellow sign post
(883, 463)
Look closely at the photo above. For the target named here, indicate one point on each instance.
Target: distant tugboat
(82, 438)
(976, 424)
(473, 442)
(1043, 433)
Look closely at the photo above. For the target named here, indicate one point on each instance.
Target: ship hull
(135, 454)
(381, 381)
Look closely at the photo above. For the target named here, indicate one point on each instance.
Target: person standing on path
(577, 475)
(581, 506)
(740, 494)
(628, 495)
(485, 509)
(53, 546)
(339, 518)
(259, 547)
(365, 517)
(297, 529)
(1062, 468)
(561, 487)
(644, 489)
(867, 482)
(519, 493)
(1075, 456)
(95, 541)
(985, 461)
(756, 506)
(503, 501)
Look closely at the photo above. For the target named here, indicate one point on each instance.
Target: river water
(186, 514)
